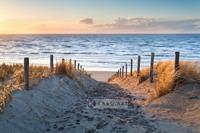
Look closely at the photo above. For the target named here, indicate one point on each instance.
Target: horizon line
(97, 33)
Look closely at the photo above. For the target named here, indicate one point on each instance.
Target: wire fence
(123, 71)
(30, 69)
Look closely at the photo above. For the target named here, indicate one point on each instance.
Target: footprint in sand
(70, 125)
(48, 130)
(90, 118)
(101, 124)
(77, 122)
(61, 128)
(90, 130)
(119, 129)
(55, 126)
(110, 116)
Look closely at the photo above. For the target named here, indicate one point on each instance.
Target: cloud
(87, 21)
(152, 25)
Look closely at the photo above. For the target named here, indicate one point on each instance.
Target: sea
(98, 52)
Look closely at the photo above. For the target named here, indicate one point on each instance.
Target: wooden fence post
(70, 62)
(138, 65)
(151, 67)
(74, 64)
(126, 70)
(122, 71)
(51, 63)
(131, 71)
(78, 66)
(81, 67)
(177, 56)
(26, 73)
(63, 60)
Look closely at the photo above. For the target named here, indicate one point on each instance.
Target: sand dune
(60, 104)
(178, 110)
(182, 106)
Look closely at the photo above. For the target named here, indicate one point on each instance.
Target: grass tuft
(65, 68)
(7, 70)
(165, 78)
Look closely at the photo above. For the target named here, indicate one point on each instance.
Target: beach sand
(60, 104)
(177, 109)
(101, 75)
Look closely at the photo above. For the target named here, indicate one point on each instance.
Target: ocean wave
(107, 51)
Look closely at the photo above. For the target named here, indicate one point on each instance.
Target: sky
(99, 16)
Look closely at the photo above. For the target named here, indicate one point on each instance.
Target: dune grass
(165, 77)
(65, 68)
(11, 79)
(8, 70)
(5, 96)
(143, 76)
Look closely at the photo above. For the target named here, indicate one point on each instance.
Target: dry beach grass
(165, 77)
(11, 77)
(65, 68)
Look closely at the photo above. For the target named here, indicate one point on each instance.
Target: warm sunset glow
(105, 16)
(36, 26)
(2, 18)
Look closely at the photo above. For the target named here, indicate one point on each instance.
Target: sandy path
(59, 105)
(111, 120)
(176, 112)
(101, 75)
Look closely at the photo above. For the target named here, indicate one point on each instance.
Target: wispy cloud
(152, 25)
(87, 25)
(87, 21)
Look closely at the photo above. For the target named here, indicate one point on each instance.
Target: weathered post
(138, 65)
(74, 64)
(131, 70)
(51, 63)
(151, 67)
(78, 66)
(63, 60)
(81, 67)
(126, 70)
(177, 56)
(122, 71)
(70, 62)
(26, 73)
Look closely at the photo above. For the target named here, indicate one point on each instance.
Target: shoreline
(102, 76)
